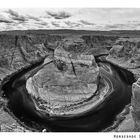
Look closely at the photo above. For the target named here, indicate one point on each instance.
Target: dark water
(22, 106)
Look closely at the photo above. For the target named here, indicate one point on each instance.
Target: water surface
(22, 105)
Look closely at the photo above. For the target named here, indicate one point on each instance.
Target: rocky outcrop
(136, 105)
(71, 79)
(18, 51)
(9, 124)
(30, 51)
(131, 122)
(21, 50)
(126, 53)
(99, 45)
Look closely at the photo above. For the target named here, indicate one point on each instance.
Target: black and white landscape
(70, 70)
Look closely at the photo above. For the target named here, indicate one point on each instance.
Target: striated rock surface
(7, 122)
(125, 121)
(136, 105)
(126, 53)
(18, 51)
(99, 45)
(71, 79)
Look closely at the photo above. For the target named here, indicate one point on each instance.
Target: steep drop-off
(20, 51)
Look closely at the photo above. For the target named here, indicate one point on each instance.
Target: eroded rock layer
(19, 50)
(136, 105)
(126, 53)
(70, 80)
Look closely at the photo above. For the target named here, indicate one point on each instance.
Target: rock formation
(16, 52)
(126, 53)
(136, 104)
(71, 79)
(73, 62)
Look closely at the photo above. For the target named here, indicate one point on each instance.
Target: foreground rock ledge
(66, 83)
(136, 105)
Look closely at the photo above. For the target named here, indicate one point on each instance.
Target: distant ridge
(135, 33)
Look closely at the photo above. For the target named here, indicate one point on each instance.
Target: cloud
(5, 21)
(111, 26)
(84, 19)
(119, 26)
(15, 16)
(72, 24)
(33, 18)
(59, 15)
(86, 22)
(55, 24)
(37, 20)
(43, 23)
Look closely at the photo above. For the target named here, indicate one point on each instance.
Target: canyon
(58, 77)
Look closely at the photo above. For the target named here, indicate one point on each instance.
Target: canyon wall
(21, 50)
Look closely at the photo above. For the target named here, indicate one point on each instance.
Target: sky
(70, 18)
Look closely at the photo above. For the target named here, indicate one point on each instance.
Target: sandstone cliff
(20, 50)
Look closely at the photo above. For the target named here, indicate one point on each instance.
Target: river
(21, 104)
